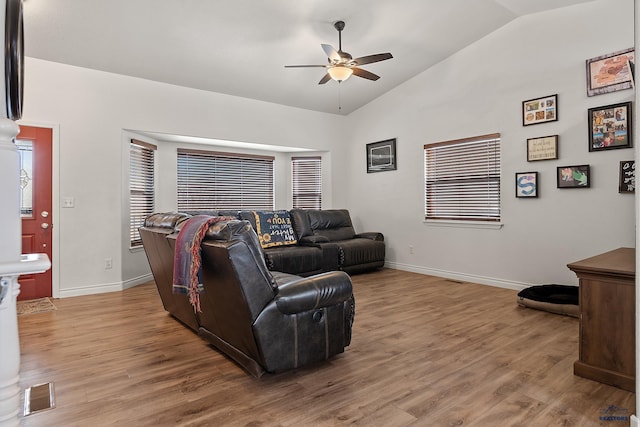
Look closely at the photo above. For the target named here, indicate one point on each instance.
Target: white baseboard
(464, 277)
(490, 281)
(137, 281)
(105, 287)
(90, 290)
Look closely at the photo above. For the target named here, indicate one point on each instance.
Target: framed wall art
(610, 127)
(627, 183)
(381, 156)
(526, 184)
(610, 72)
(540, 110)
(542, 148)
(574, 176)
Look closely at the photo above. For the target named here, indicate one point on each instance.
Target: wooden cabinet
(607, 318)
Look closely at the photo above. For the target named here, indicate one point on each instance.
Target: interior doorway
(35, 148)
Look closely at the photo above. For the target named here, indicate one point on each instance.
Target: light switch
(68, 202)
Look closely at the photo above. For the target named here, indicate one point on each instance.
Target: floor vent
(38, 398)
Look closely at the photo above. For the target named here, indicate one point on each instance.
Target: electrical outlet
(68, 202)
(410, 249)
(108, 264)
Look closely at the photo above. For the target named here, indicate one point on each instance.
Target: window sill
(487, 225)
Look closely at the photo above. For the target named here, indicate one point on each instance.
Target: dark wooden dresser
(607, 318)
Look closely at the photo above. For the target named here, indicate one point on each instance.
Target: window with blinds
(462, 179)
(213, 180)
(306, 182)
(141, 187)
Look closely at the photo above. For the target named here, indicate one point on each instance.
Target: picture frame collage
(610, 127)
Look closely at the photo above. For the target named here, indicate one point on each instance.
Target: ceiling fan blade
(372, 58)
(364, 74)
(305, 66)
(325, 79)
(331, 52)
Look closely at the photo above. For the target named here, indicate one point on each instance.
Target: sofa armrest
(321, 290)
(312, 240)
(371, 235)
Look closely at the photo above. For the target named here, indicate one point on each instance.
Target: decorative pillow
(274, 228)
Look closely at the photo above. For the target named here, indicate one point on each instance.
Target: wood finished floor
(425, 352)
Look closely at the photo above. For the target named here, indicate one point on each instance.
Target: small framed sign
(381, 156)
(542, 148)
(627, 177)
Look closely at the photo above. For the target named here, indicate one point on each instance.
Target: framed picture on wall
(610, 127)
(542, 148)
(526, 184)
(574, 176)
(627, 183)
(540, 110)
(381, 156)
(610, 72)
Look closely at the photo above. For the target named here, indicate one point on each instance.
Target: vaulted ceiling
(240, 47)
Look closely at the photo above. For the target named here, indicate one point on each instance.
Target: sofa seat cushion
(360, 251)
(294, 259)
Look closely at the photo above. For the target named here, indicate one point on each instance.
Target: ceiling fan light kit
(340, 73)
(341, 65)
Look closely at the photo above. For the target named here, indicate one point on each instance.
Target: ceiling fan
(341, 65)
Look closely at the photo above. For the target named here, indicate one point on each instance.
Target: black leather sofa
(326, 241)
(265, 321)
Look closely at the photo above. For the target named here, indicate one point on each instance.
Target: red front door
(36, 159)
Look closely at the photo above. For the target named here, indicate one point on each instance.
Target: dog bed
(559, 299)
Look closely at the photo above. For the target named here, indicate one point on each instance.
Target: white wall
(92, 109)
(479, 91)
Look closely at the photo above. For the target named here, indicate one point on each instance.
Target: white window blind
(462, 179)
(213, 180)
(141, 187)
(306, 181)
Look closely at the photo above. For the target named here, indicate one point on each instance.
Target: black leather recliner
(265, 321)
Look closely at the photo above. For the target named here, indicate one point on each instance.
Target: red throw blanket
(187, 262)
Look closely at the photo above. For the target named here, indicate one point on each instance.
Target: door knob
(44, 225)
(44, 214)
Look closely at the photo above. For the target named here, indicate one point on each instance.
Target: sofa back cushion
(237, 230)
(248, 216)
(334, 224)
(300, 221)
(165, 220)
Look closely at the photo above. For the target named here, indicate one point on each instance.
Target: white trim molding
(463, 277)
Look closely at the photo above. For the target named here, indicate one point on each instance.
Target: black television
(13, 81)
